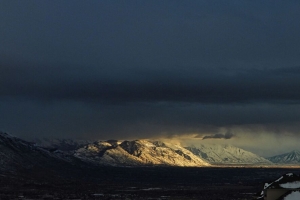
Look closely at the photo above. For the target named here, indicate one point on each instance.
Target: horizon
(184, 143)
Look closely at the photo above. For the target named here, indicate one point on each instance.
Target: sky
(193, 71)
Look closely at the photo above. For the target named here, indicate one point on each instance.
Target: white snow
(287, 158)
(291, 185)
(267, 185)
(279, 179)
(293, 196)
(227, 154)
(145, 153)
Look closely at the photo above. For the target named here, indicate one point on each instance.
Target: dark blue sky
(142, 69)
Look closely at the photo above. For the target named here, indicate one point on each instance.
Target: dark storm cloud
(209, 86)
(128, 68)
(227, 135)
(102, 121)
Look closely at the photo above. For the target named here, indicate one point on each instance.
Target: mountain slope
(105, 153)
(227, 154)
(138, 153)
(16, 153)
(292, 157)
(61, 144)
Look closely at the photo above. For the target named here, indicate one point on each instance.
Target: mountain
(16, 154)
(227, 154)
(138, 153)
(292, 157)
(61, 144)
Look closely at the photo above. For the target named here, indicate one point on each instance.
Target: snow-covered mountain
(227, 154)
(138, 153)
(15, 152)
(292, 157)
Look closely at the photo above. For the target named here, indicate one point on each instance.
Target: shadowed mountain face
(61, 144)
(17, 154)
(292, 157)
(23, 162)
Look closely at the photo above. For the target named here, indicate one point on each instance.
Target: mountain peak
(292, 157)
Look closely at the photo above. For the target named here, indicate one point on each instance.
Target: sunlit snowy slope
(227, 154)
(138, 153)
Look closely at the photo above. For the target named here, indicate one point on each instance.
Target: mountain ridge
(292, 157)
(138, 153)
(15, 152)
(227, 154)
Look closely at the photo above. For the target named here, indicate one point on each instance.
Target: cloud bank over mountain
(150, 69)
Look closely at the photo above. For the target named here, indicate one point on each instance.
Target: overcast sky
(203, 71)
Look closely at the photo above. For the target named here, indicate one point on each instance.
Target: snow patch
(279, 179)
(293, 196)
(291, 185)
(267, 185)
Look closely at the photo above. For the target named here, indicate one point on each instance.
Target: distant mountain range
(142, 152)
(227, 154)
(16, 153)
(292, 157)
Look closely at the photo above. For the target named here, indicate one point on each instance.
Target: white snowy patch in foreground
(279, 179)
(267, 185)
(292, 185)
(293, 196)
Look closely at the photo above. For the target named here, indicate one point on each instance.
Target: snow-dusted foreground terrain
(293, 196)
